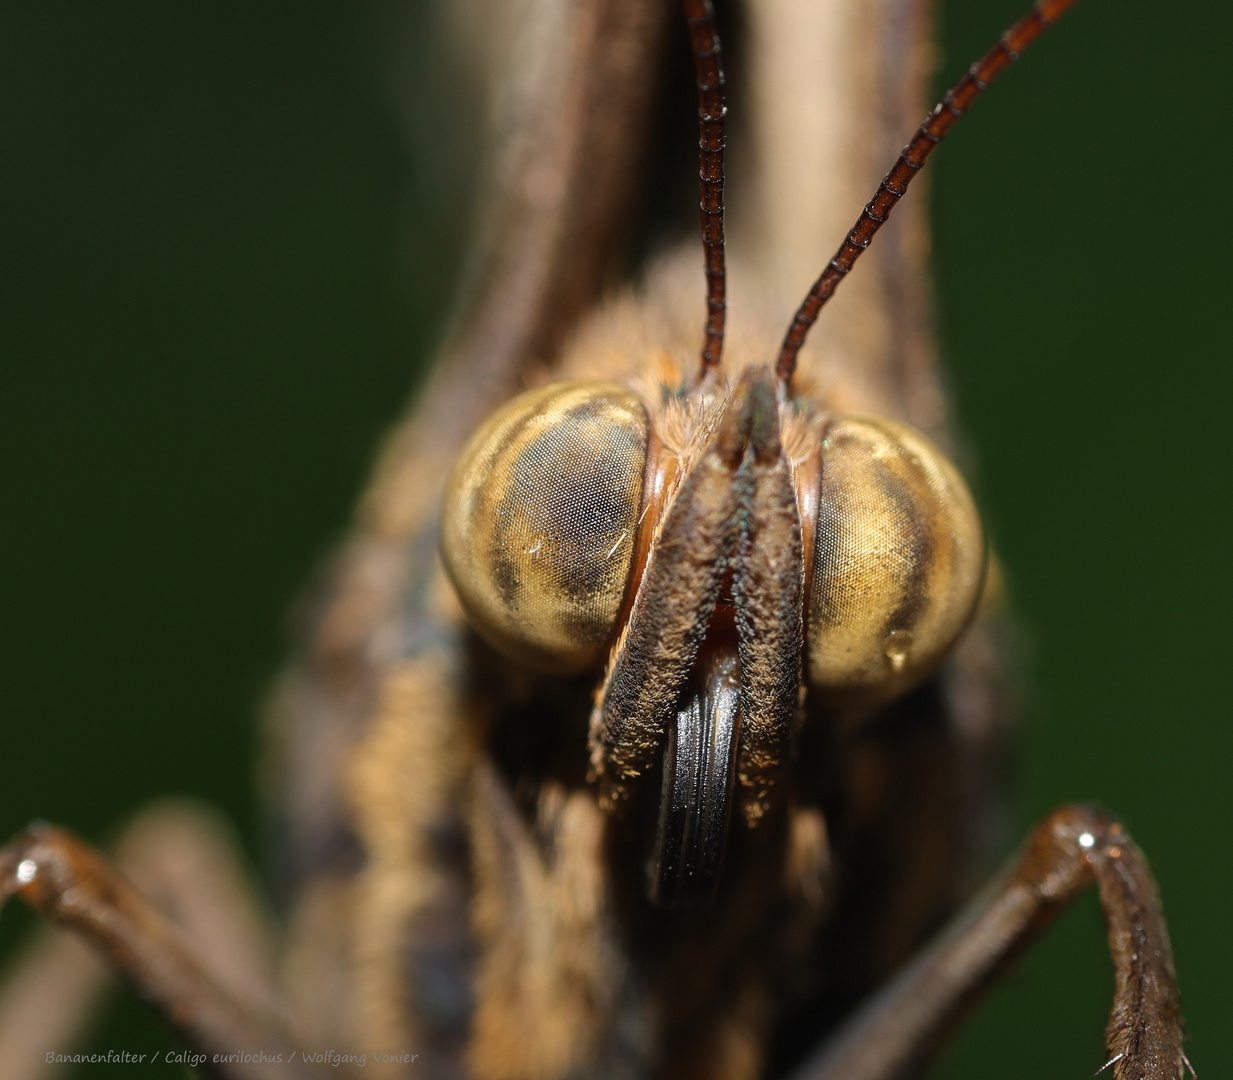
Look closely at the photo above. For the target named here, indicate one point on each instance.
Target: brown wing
(837, 88)
(567, 105)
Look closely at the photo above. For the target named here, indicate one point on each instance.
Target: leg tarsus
(1072, 848)
(1145, 1025)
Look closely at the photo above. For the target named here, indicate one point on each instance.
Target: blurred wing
(836, 90)
(567, 110)
(568, 83)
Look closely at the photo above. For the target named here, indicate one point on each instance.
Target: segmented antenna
(709, 75)
(957, 101)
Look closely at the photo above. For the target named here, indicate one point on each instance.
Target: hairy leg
(1075, 847)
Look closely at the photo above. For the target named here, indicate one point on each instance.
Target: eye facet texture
(899, 562)
(540, 521)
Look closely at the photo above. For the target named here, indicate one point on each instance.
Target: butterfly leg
(199, 956)
(1073, 848)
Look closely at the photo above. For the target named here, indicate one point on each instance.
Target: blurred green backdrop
(227, 237)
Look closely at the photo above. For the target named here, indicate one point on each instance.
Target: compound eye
(540, 521)
(898, 564)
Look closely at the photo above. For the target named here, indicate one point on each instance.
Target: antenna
(709, 76)
(932, 131)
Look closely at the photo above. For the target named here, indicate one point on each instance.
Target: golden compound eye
(540, 521)
(899, 562)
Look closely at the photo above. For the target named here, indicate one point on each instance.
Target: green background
(228, 234)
